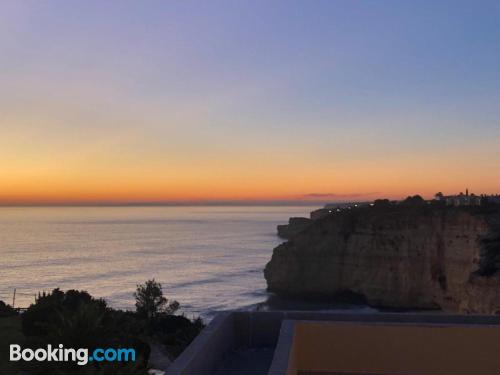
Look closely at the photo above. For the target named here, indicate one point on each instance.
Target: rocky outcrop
(295, 226)
(403, 257)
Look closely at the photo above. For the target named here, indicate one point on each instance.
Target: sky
(174, 101)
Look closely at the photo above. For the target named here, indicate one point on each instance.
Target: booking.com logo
(62, 354)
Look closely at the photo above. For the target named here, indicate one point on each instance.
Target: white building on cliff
(460, 199)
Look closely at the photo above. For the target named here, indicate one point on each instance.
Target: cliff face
(401, 258)
(295, 226)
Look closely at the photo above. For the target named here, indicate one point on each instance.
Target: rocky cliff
(295, 226)
(402, 257)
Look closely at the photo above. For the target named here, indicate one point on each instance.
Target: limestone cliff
(295, 226)
(401, 257)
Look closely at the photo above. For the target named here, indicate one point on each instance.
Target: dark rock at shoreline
(399, 257)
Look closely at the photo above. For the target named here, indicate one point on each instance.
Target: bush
(150, 302)
(382, 203)
(176, 332)
(6, 310)
(49, 308)
(76, 319)
(414, 201)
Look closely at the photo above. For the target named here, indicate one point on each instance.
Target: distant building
(460, 199)
(492, 198)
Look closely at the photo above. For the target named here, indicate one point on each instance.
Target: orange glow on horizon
(259, 185)
(59, 168)
(304, 102)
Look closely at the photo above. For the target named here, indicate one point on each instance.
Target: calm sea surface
(207, 258)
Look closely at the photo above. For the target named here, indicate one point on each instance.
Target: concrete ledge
(231, 331)
(283, 354)
(206, 350)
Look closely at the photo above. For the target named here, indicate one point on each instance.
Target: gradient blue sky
(180, 100)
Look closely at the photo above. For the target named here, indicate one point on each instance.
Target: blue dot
(91, 359)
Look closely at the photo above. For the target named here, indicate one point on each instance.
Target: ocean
(207, 258)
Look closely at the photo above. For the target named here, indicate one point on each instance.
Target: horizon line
(279, 202)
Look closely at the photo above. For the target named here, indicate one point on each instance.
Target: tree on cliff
(150, 302)
(382, 203)
(6, 310)
(416, 200)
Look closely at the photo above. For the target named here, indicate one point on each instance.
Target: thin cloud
(337, 195)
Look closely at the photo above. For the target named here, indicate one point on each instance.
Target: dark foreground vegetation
(77, 320)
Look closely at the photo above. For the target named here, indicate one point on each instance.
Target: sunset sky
(142, 101)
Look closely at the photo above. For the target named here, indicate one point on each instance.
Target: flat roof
(257, 342)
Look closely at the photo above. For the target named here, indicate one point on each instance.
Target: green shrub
(49, 308)
(6, 310)
(149, 300)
